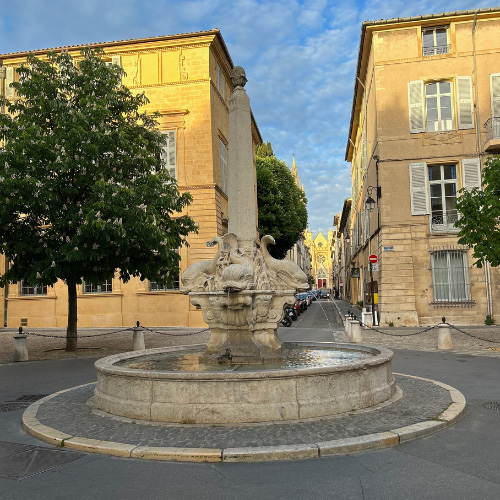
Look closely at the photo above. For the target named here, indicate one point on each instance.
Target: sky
(299, 57)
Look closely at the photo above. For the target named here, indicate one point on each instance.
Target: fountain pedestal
(243, 324)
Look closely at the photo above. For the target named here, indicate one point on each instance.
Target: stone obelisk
(241, 177)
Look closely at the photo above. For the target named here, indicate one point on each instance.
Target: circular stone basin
(174, 385)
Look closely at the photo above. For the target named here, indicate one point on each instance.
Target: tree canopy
(83, 191)
(479, 220)
(281, 203)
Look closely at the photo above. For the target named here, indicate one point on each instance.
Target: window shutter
(418, 189)
(465, 102)
(116, 60)
(168, 153)
(416, 106)
(9, 78)
(471, 173)
(495, 95)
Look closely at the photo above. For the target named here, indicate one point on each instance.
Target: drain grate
(31, 398)
(20, 403)
(18, 462)
(4, 407)
(492, 405)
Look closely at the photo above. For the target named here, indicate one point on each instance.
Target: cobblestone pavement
(487, 343)
(91, 347)
(69, 413)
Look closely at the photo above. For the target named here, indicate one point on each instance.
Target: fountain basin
(263, 395)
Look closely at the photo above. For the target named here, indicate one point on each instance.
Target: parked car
(303, 302)
(296, 307)
(311, 296)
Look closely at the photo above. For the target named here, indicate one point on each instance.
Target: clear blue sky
(299, 56)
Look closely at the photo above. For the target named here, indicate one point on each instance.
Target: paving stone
(69, 413)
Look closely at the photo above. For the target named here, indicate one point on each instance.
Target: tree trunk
(71, 332)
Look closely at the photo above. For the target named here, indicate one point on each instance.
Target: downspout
(2, 110)
(487, 275)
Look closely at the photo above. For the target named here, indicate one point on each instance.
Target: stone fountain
(244, 373)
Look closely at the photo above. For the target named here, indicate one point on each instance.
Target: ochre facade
(187, 78)
(425, 117)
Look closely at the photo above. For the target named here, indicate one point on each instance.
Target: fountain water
(242, 293)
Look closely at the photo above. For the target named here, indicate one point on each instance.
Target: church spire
(295, 173)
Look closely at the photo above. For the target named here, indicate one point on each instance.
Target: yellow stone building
(186, 78)
(321, 250)
(425, 117)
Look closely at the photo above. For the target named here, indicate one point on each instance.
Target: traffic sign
(373, 259)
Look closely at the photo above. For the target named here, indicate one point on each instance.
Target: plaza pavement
(460, 462)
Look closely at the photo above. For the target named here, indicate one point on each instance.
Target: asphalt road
(461, 462)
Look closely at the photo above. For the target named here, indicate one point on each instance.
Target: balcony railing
(444, 223)
(492, 127)
(434, 50)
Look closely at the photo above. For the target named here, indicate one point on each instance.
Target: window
(106, 287)
(29, 290)
(435, 41)
(9, 79)
(168, 152)
(438, 104)
(223, 165)
(221, 82)
(450, 276)
(437, 185)
(154, 286)
(443, 196)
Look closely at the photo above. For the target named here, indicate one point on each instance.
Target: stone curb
(356, 444)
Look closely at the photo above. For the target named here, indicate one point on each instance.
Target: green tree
(264, 149)
(281, 203)
(83, 191)
(479, 220)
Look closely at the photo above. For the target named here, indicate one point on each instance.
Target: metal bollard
(138, 341)
(20, 347)
(444, 337)
(356, 332)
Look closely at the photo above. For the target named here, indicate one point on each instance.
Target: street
(458, 463)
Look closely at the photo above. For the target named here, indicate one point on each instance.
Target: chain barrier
(472, 335)
(397, 335)
(112, 333)
(188, 334)
(79, 336)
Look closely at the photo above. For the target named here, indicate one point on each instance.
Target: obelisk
(241, 178)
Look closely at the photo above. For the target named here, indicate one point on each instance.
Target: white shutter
(418, 189)
(495, 95)
(116, 60)
(416, 106)
(9, 78)
(465, 102)
(471, 173)
(168, 153)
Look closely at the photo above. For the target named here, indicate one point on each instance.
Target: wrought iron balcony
(435, 50)
(444, 223)
(492, 134)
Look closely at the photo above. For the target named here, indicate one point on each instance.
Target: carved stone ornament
(238, 77)
(242, 294)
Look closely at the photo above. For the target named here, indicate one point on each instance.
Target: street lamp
(370, 202)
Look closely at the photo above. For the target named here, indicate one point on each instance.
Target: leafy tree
(281, 203)
(83, 191)
(264, 149)
(479, 220)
